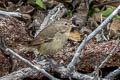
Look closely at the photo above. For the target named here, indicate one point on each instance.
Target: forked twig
(90, 36)
(113, 74)
(25, 72)
(110, 54)
(31, 65)
(107, 58)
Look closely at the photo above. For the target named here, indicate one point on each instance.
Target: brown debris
(14, 33)
(12, 30)
(91, 56)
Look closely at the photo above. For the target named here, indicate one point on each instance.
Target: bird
(52, 38)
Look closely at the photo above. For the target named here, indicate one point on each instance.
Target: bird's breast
(55, 45)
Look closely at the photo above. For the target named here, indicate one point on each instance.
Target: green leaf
(107, 12)
(117, 17)
(69, 13)
(40, 4)
(92, 11)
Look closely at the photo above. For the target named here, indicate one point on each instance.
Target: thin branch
(20, 74)
(15, 14)
(113, 74)
(80, 76)
(53, 15)
(31, 65)
(90, 36)
(107, 58)
(106, 3)
(110, 54)
(26, 72)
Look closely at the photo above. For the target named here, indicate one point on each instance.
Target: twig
(20, 74)
(107, 58)
(90, 36)
(113, 74)
(53, 15)
(80, 76)
(15, 14)
(106, 3)
(110, 55)
(26, 72)
(31, 65)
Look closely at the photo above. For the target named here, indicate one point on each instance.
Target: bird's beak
(74, 25)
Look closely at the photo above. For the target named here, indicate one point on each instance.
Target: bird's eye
(65, 23)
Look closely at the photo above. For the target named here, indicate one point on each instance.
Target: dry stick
(116, 72)
(79, 76)
(106, 3)
(31, 65)
(15, 14)
(20, 74)
(74, 74)
(110, 55)
(113, 74)
(90, 36)
(51, 17)
(26, 72)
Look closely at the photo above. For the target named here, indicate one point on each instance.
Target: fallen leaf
(75, 36)
(114, 30)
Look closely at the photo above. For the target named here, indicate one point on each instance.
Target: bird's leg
(36, 56)
(51, 60)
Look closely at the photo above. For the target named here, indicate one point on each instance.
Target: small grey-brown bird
(51, 39)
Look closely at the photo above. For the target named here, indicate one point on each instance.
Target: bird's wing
(45, 35)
